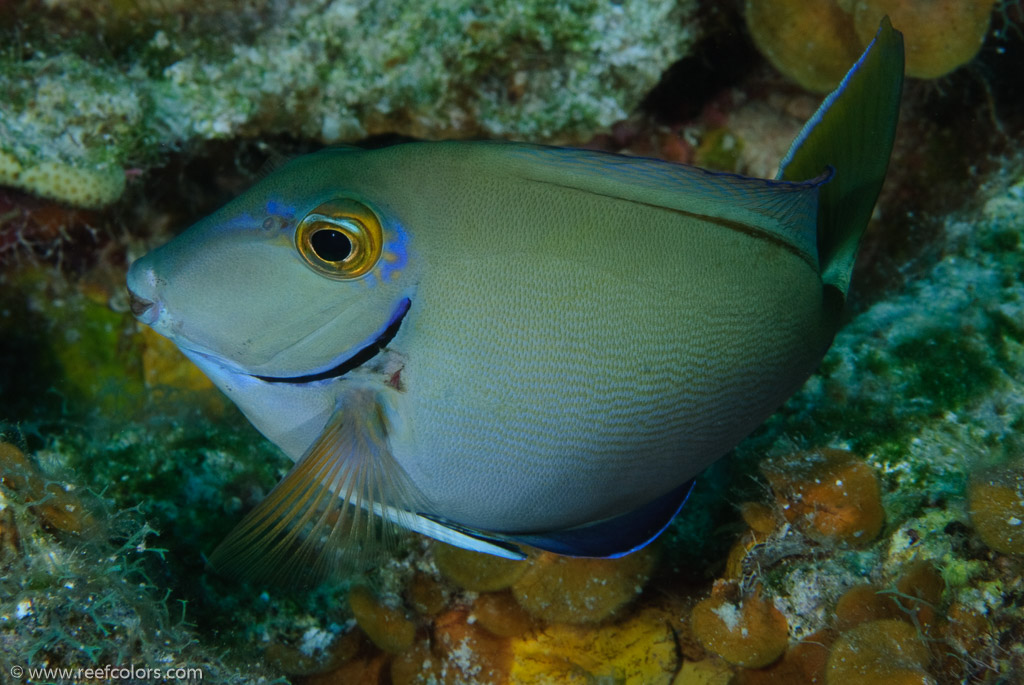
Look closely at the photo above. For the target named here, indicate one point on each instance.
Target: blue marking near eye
(396, 253)
(280, 209)
(242, 222)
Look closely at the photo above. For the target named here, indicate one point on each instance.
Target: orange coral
(802, 664)
(475, 571)
(734, 563)
(58, 508)
(426, 595)
(469, 652)
(967, 630)
(995, 499)
(862, 604)
(831, 494)
(917, 594)
(940, 35)
(812, 43)
(919, 591)
(570, 590)
(885, 651)
(748, 632)
(499, 613)
(387, 627)
(760, 517)
(352, 660)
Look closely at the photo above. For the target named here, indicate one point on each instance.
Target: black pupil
(330, 245)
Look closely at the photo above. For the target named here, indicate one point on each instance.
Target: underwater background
(872, 531)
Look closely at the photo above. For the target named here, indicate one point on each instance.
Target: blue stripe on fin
(614, 537)
(610, 538)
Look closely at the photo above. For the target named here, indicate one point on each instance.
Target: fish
(506, 346)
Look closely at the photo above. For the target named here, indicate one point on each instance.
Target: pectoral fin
(337, 509)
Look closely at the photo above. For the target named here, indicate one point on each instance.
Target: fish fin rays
(338, 509)
(853, 133)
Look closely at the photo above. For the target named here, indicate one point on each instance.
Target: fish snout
(142, 299)
(144, 310)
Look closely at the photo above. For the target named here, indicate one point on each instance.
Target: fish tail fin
(852, 132)
(339, 509)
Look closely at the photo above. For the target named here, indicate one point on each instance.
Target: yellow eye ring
(341, 239)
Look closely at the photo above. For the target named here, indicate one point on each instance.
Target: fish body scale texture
(563, 342)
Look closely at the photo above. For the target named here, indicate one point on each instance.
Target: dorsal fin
(852, 132)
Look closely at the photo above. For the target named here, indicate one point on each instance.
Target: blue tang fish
(500, 344)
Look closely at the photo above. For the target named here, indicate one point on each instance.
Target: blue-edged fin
(852, 132)
(617, 536)
(337, 510)
(606, 539)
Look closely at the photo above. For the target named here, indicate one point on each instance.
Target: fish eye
(330, 245)
(341, 239)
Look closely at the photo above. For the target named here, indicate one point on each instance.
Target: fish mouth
(361, 356)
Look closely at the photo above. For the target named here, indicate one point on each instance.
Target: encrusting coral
(812, 43)
(57, 506)
(474, 571)
(387, 627)
(995, 500)
(78, 115)
(744, 630)
(940, 35)
(831, 494)
(567, 590)
(885, 651)
(77, 583)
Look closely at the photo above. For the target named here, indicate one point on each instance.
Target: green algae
(82, 596)
(939, 366)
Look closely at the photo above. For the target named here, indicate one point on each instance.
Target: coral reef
(78, 594)
(935, 375)
(78, 113)
(870, 530)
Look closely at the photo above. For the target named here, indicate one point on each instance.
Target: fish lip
(358, 358)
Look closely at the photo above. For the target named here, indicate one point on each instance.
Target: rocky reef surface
(871, 531)
(93, 90)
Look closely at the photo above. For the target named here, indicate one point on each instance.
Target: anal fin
(605, 539)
